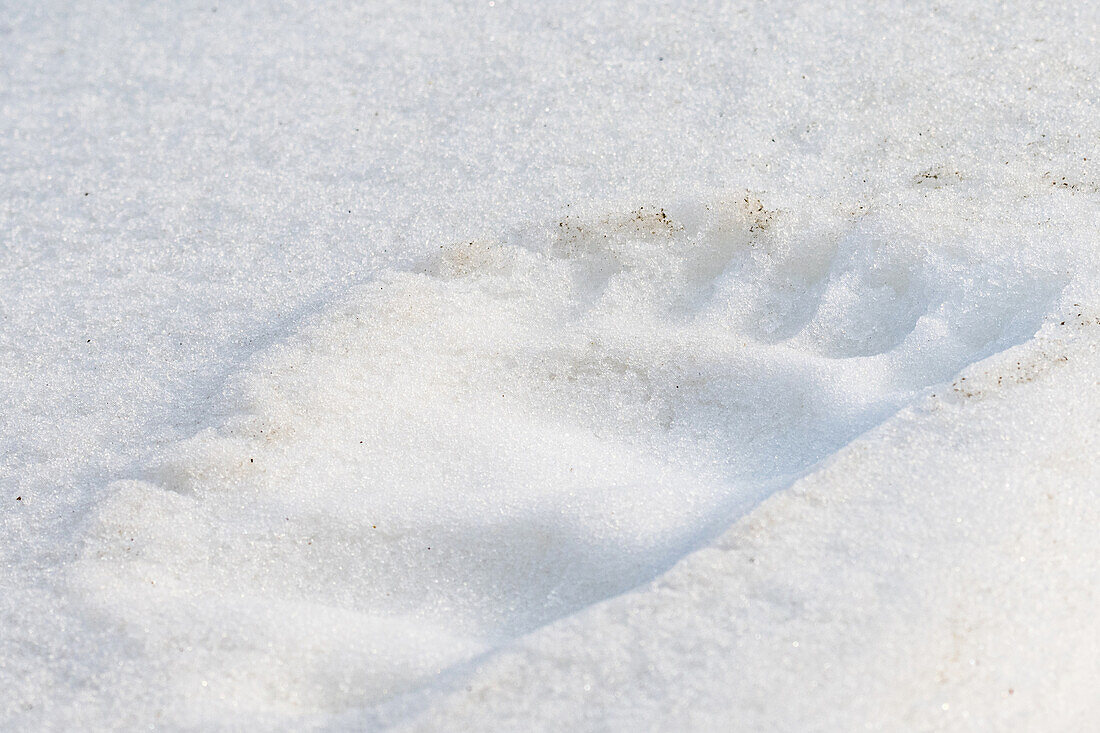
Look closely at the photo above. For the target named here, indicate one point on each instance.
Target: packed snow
(550, 366)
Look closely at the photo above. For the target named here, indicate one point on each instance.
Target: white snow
(601, 366)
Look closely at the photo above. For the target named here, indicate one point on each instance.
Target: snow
(505, 366)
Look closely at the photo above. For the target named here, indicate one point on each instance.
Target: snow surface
(549, 366)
